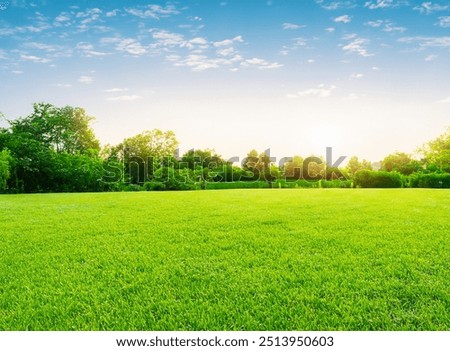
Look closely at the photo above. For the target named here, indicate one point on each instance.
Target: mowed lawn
(275, 259)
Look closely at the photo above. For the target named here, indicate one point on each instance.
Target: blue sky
(365, 77)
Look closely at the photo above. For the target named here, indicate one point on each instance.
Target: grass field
(319, 259)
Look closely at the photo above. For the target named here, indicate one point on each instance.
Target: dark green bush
(154, 186)
(378, 179)
(238, 185)
(429, 180)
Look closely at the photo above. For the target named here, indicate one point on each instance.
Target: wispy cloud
(124, 98)
(357, 45)
(429, 7)
(115, 90)
(153, 11)
(41, 46)
(343, 19)
(17, 72)
(336, 5)
(87, 50)
(383, 4)
(292, 26)
(261, 63)
(430, 58)
(63, 85)
(444, 101)
(356, 76)
(33, 58)
(440, 42)
(128, 45)
(321, 91)
(444, 21)
(386, 25)
(228, 42)
(86, 79)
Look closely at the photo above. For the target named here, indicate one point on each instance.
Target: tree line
(55, 149)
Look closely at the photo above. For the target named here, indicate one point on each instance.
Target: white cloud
(356, 76)
(41, 46)
(88, 50)
(441, 42)
(357, 46)
(260, 63)
(165, 38)
(130, 46)
(311, 61)
(34, 58)
(63, 17)
(321, 91)
(381, 4)
(63, 85)
(124, 98)
(292, 26)
(85, 79)
(343, 19)
(444, 101)
(228, 42)
(430, 58)
(153, 11)
(375, 24)
(112, 13)
(353, 96)
(391, 28)
(428, 7)
(330, 29)
(336, 5)
(444, 21)
(17, 72)
(115, 90)
(226, 51)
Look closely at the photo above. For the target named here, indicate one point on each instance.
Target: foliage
(437, 152)
(400, 162)
(429, 180)
(354, 165)
(380, 179)
(5, 168)
(293, 169)
(204, 158)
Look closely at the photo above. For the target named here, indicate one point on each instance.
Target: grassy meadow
(269, 259)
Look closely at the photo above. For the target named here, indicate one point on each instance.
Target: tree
(5, 167)
(63, 129)
(437, 152)
(144, 153)
(52, 149)
(293, 168)
(205, 158)
(400, 162)
(354, 165)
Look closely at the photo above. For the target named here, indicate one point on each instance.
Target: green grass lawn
(319, 259)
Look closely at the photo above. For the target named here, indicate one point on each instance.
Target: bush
(238, 185)
(132, 187)
(154, 186)
(430, 180)
(377, 179)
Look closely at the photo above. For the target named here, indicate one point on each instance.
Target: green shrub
(132, 187)
(429, 180)
(237, 185)
(377, 179)
(154, 186)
